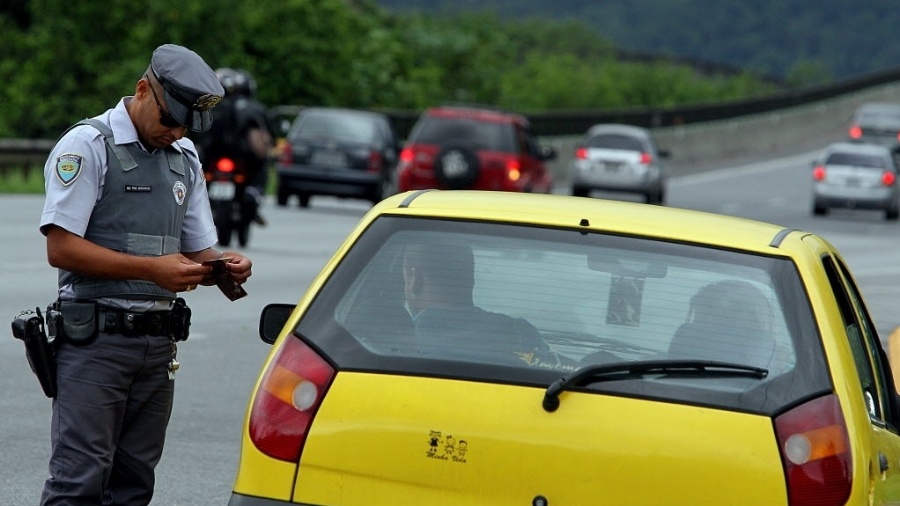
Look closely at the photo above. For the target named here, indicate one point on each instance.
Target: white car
(856, 176)
(619, 158)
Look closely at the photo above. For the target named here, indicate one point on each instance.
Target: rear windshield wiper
(634, 370)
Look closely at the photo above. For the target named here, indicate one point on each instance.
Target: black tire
(456, 166)
(304, 199)
(385, 188)
(579, 191)
(282, 196)
(222, 218)
(819, 209)
(892, 213)
(656, 198)
(243, 234)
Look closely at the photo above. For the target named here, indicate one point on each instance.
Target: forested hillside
(66, 60)
(808, 41)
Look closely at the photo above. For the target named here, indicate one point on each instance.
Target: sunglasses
(165, 118)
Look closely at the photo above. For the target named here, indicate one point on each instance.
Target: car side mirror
(272, 320)
(664, 153)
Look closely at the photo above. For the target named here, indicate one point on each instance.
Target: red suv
(454, 148)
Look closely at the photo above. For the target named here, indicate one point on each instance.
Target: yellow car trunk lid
(390, 439)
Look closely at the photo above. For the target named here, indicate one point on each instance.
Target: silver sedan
(857, 176)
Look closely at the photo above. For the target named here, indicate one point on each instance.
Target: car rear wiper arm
(631, 370)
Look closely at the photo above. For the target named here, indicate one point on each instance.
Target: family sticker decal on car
(447, 447)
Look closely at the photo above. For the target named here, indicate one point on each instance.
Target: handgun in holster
(40, 351)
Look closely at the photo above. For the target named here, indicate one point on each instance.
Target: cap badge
(207, 101)
(68, 166)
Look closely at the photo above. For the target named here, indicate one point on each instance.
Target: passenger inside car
(439, 280)
(727, 321)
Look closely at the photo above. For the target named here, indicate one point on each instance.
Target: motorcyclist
(241, 131)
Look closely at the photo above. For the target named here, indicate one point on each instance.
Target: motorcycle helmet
(247, 84)
(231, 80)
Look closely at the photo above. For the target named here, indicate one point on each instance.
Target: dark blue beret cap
(191, 87)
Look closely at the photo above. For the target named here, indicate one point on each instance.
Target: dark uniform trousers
(109, 420)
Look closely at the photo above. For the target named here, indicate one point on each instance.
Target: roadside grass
(21, 181)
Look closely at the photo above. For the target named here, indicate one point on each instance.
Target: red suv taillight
(581, 153)
(815, 452)
(888, 178)
(513, 169)
(646, 158)
(289, 396)
(855, 132)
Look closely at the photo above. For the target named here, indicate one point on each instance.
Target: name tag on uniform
(137, 188)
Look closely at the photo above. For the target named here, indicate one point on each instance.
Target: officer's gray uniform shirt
(76, 170)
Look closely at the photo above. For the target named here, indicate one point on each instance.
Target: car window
(614, 141)
(486, 135)
(855, 159)
(863, 343)
(566, 300)
(336, 126)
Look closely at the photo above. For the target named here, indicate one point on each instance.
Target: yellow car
(492, 348)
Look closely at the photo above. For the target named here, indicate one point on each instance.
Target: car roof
(339, 111)
(618, 128)
(870, 107)
(477, 113)
(611, 216)
(857, 147)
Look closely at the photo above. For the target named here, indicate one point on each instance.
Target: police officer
(128, 224)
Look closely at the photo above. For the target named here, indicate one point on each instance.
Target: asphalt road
(223, 356)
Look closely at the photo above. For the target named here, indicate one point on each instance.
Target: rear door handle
(883, 463)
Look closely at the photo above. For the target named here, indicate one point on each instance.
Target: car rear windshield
(614, 141)
(855, 160)
(333, 125)
(504, 303)
(486, 135)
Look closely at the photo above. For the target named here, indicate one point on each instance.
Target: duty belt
(153, 323)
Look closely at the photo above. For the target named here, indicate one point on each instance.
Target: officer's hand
(177, 273)
(239, 266)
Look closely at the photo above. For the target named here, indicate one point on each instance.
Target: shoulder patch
(68, 166)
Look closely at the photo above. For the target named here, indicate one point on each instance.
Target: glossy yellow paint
(403, 440)
(371, 443)
(607, 215)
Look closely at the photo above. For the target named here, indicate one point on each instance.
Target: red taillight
(225, 165)
(581, 153)
(375, 161)
(815, 452)
(407, 155)
(819, 173)
(289, 395)
(513, 169)
(855, 132)
(888, 178)
(646, 158)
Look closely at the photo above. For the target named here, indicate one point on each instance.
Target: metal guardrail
(27, 154)
(23, 154)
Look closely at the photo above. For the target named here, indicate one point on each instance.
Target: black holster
(181, 320)
(40, 350)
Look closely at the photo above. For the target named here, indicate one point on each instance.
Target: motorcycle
(234, 201)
